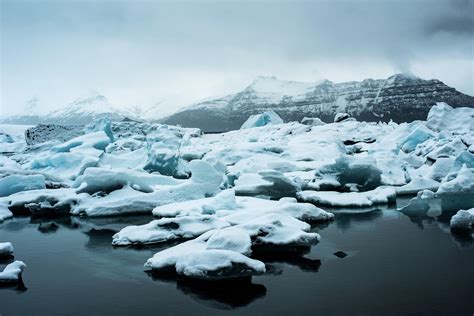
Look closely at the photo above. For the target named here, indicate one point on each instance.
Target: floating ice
(6, 250)
(12, 272)
(167, 229)
(4, 213)
(17, 183)
(463, 220)
(381, 195)
(193, 259)
(458, 193)
(418, 184)
(258, 120)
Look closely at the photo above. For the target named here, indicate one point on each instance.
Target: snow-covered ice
(6, 249)
(232, 192)
(12, 272)
(463, 220)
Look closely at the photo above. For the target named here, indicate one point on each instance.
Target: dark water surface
(395, 265)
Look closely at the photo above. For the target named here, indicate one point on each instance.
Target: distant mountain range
(399, 98)
(81, 111)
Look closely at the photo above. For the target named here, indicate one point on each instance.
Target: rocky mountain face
(400, 98)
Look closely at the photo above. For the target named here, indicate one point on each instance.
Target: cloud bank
(174, 53)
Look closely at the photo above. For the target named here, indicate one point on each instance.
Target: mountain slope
(81, 111)
(399, 98)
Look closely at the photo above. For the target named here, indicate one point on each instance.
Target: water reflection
(222, 294)
(270, 258)
(18, 286)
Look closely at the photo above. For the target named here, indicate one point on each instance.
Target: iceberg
(17, 183)
(381, 195)
(458, 193)
(258, 120)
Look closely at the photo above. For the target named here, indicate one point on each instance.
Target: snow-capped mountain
(399, 98)
(81, 111)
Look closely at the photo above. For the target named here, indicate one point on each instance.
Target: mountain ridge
(400, 97)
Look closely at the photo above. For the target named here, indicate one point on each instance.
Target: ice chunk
(167, 229)
(441, 168)
(193, 259)
(45, 201)
(101, 124)
(381, 195)
(458, 193)
(92, 144)
(4, 213)
(417, 184)
(312, 121)
(164, 149)
(12, 272)
(205, 181)
(419, 204)
(463, 220)
(65, 165)
(419, 135)
(17, 183)
(233, 238)
(443, 117)
(346, 170)
(106, 180)
(258, 120)
(217, 264)
(42, 133)
(224, 200)
(267, 183)
(339, 117)
(6, 250)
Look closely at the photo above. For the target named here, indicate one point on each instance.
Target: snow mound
(258, 120)
(443, 117)
(381, 195)
(463, 220)
(167, 229)
(6, 250)
(4, 213)
(12, 272)
(458, 193)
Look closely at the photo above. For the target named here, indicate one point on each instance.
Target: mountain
(81, 111)
(400, 98)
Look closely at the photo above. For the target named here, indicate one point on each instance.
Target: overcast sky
(143, 52)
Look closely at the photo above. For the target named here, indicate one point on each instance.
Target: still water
(394, 264)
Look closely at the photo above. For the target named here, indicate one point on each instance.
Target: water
(395, 264)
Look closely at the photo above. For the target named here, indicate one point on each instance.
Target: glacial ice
(462, 220)
(258, 120)
(4, 213)
(380, 195)
(6, 250)
(17, 183)
(12, 272)
(232, 192)
(167, 229)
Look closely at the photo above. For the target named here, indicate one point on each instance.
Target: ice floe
(6, 250)
(12, 272)
(463, 220)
